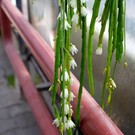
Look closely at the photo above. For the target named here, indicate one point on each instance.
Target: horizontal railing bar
(94, 120)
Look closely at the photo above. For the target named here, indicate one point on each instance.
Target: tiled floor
(15, 115)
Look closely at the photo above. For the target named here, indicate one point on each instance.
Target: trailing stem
(83, 59)
(90, 48)
(57, 62)
(109, 54)
(104, 19)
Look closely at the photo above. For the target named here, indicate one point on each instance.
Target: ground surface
(15, 115)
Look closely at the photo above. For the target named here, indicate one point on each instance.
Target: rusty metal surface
(38, 107)
(94, 120)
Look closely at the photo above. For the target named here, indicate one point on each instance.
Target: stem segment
(90, 48)
(83, 59)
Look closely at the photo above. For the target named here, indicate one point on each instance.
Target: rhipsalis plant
(75, 12)
(64, 61)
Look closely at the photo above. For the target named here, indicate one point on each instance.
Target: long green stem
(57, 62)
(90, 48)
(103, 21)
(109, 54)
(84, 44)
(79, 11)
(63, 61)
(115, 20)
(103, 92)
(67, 60)
(115, 26)
(119, 46)
(113, 74)
(124, 32)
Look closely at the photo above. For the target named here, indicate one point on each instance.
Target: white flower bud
(66, 109)
(65, 119)
(84, 11)
(59, 16)
(83, 1)
(56, 122)
(73, 49)
(65, 93)
(73, 64)
(72, 96)
(69, 124)
(71, 81)
(67, 25)
(66, 76)
(71, 111)
(75, 18)
(112, 83)
(73, 3)
(99, 50)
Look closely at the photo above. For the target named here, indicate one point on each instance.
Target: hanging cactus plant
(75, 12)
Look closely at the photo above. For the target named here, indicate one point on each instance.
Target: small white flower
(75, 18)
(73, 64)
(72, 96)
(56, 122)
(71, 111)
(67, 25)
(65, 93)
(65, 119)
(69, 124)
(59, 16)
(84, 11)
(99, 50)
(83, 1)
(73, 49)
(66, 76)
(73, 3)
(112, 83)
(66, 109)
(71, 81)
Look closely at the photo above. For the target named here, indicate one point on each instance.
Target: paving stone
(3, 91)
(20, 122)
(8, 100)
(29, 118)
(4, 114)
(15, 110)
(32, 131)
(24, 120)
(6, 124)
(19, 109)
(25, 107)
(28, 131)
(9, 132)
(15, 114)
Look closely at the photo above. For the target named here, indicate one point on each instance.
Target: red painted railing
(94, 120)
(39, 109)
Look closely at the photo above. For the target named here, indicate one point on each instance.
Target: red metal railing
(39, 109)
(94, 120)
